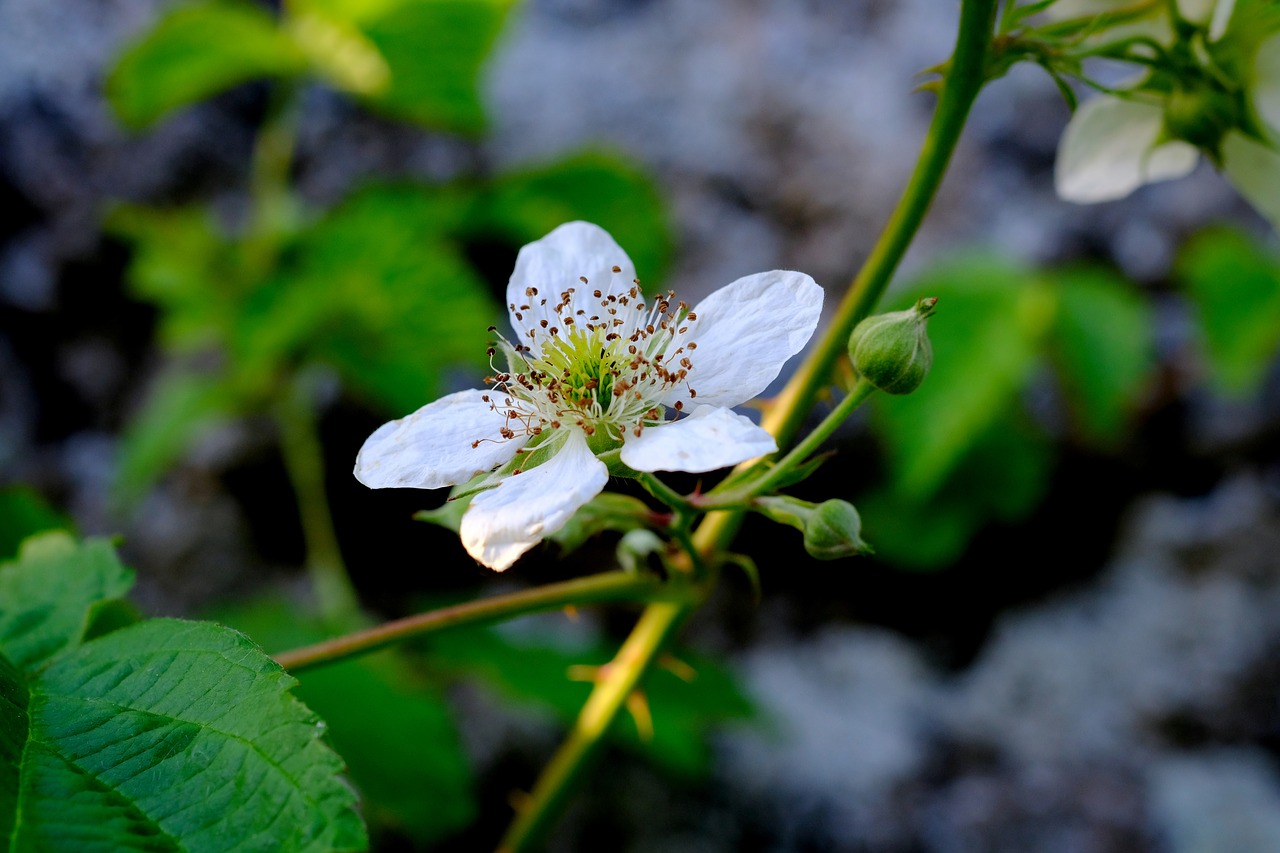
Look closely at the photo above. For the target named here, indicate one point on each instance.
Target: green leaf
(536, 672)
(1002, 476)
(593, 186)
(156, 736)
(377, 292)
(176, 735)
(23, 513)
(435, 50)
(195, 52)
(1104, 349)
(48, 597)
(396, 731)
(987, 337)
(1234, 285)
(180, 408)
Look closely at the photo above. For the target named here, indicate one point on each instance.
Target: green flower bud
(832, 529)
(892, 351)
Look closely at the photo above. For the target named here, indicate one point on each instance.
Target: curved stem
(964, 79)
(610, 586)
(660, 622)
(620, 678)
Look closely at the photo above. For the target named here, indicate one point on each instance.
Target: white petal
(1266, 83)
(744, 333)
(508, 520)
(1221, 18)
(431, 448)
(1254, 168)
(710, 438)
(556, 263)
(1109, 149)
(1197, 11)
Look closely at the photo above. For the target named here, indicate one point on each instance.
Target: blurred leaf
(597, 187)
(195, 52)
(48, 596)
(435, 50)
(1002, 476)
(528, 670)
(23, 513)
(1235, 286)
(396, 731)
(178, 410)
(375, 291)
(987, 336)
(1104, 343)
(182, 265)
(339, 52)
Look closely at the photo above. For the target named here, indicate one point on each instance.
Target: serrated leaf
(1104, 347)
(395, 730)
(24, 513)
(435, 50)
(987, 336)
(179, 409)
(195, 52)
(172, 735)
(594, 186)
(1235, 287)
(524, 669)
(49, 594)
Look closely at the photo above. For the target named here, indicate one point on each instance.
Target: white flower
(594, 366)
(1113, 145)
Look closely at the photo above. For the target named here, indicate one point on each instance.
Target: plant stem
(811, 442)
(304, 461)
(622, 676)
(964, 81)
(610, 586)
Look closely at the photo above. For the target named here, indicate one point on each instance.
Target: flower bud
(892, 351)
(832, 529)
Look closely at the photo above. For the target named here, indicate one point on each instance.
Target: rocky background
(1102, 677)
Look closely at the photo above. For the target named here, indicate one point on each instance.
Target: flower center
(604, 361)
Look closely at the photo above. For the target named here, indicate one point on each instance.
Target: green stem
(618, 681)
(304, 461)
(965, 76)
(610, 586)
(813, 440)
(964, 81)
(664, 493)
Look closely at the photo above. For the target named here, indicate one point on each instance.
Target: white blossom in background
(1116, 143)
(596, 366)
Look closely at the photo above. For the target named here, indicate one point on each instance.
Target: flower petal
(744, 333)
(1221, 18)
(511, 518)
(711, 437)
(1110, 148)
(1254, 169)
(1266, 83)
(431, 448)
(554, 264)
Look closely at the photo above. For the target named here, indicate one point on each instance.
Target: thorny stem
(610, 586)
(659, 622)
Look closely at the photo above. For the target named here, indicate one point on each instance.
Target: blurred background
(235, 237)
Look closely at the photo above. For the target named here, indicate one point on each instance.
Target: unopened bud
(892, 351)
(832, 529)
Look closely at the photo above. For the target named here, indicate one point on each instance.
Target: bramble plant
(115, 729)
